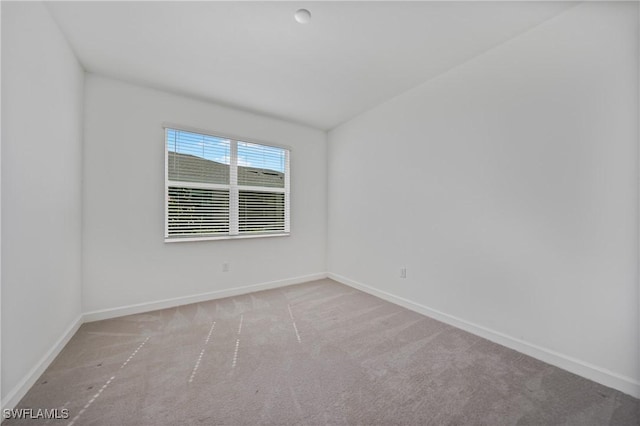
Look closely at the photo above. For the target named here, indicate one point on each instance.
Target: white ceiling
(255, 56)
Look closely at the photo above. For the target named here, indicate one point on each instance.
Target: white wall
(125, 259)
(41, 188)
(508, 188)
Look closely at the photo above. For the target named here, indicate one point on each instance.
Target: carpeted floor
(315, 353)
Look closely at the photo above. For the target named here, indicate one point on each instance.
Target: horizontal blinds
(261, 212)
(218, 186)
(194, 211)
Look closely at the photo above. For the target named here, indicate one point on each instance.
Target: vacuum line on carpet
(206, 342)
(195, 367)
(91, 401)
(134, 353)
(111, 379)
(197, 364)
(293, 321)
(235, 353)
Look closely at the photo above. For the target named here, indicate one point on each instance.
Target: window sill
(224, 237)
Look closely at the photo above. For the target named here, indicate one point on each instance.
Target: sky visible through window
(218, 149)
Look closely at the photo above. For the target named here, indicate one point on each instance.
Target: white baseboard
(20, 390)
(589, 371)
(195, 298)
(573, 365)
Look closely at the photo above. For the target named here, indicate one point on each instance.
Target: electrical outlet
(225, 267)
(403, 272)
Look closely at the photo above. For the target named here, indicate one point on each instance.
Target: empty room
(368, 213)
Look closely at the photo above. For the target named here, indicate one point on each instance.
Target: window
(217, 187)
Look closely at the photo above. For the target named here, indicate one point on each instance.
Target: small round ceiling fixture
(303, 16)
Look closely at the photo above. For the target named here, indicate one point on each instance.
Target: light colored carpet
(315, 353)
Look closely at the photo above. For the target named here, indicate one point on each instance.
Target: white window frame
(233, 187)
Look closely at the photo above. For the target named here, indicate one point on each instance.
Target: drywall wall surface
(507, 187)
(42, 101)
(126, 261)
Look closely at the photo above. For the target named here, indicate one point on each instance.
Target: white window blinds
(219, 187)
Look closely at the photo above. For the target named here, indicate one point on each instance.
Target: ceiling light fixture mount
(303, 16)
